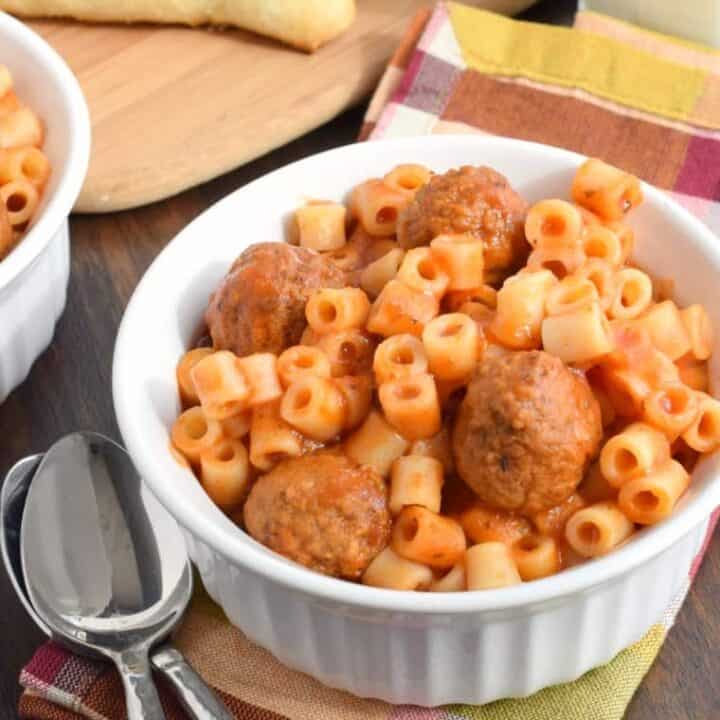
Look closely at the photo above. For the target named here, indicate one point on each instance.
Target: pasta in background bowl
(34, 271)
(421, 648)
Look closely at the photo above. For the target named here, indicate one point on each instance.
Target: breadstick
(306, 24)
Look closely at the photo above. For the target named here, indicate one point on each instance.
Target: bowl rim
(72, 174)
(254, 558)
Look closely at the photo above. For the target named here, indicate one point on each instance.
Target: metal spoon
(126, 523)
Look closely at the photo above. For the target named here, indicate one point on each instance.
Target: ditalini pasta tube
(220, 385)
(412, 406)
(421, 271)
(521, 309)
(185, 383)
(605, 190)
(553, 224)
(315, 406)
(461, 258)
(378, 205)
(637, 450)
(451, 345)
(321, 226)
(398, 357)
(380, 272)
(400, 309)
(452, 581)
(633, 294)
(579, 336)
(597, 529)
(536, 556)
(224, 473)
(357, 391)
(703, 434)
(271, 438)
(408, 178)
(260, 371)
(570, 294)
(601, 242)
(331, 310)
(376, 443)
(416, 480)
(667, 331)
(650, 498)
(302, 360)
(425, 537)
(490, 565)
(699, 330)
(671, 408)
(389, 570)
(602, 276)
(193, 433)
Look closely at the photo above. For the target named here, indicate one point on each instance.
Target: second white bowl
(34, 276)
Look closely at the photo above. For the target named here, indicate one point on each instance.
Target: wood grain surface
(172, 107)
(69, 389)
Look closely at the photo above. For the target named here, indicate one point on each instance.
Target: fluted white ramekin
(404, 647)
(34, 276)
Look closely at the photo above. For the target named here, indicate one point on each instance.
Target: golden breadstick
(306, 24)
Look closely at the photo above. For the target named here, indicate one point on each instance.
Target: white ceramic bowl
(34, 276)
(403, 647)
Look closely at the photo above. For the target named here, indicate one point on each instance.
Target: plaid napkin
(642, 101)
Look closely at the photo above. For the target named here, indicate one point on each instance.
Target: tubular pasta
(376, 443)
(224, 473)
(605, 190)
(416, 480)
(182, 373)
(315, 406)
(321, 226)
(536, 556)
(271, 438)
(378, 205)
(553, 224)
(411, 406)
(521, 309)
(451, 346)
(637, 450)
(398, 357)
(400, 309)
(490, 565)
(597, 529)
(380, 272)
(425, 537)
(651, 498)
(331, 310)
(389, 570)
(703, 434)
(421, 271)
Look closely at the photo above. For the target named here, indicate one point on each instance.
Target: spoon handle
(197, 698)
(141, 697)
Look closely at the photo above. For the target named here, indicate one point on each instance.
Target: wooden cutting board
(172, 107)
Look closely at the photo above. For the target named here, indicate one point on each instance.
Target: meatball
(323, 511)
(526, 431)
(260, 304)
(475, 200)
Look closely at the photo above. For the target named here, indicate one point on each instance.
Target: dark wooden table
(69, 389)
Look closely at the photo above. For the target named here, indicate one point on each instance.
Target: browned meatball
(475, 200)
(526, 431)
(322, 511)
(260, 304)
